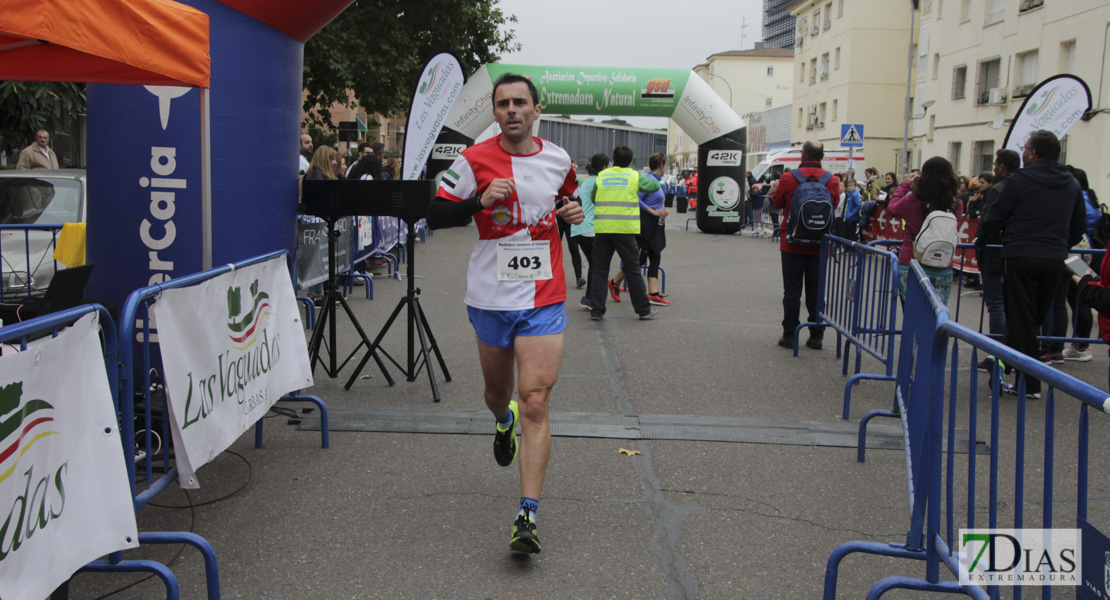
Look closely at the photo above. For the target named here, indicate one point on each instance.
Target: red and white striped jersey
(528, 215)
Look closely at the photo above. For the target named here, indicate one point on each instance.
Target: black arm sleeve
(445, 213)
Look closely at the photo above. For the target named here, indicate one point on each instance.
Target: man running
(515, 186)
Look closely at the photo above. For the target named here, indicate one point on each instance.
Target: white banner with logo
(1056, 104)
(64, 495)
(436, 92)
(231, 346)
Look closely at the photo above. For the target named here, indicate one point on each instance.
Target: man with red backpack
(807, 217)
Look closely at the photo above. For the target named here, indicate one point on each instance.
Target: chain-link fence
(67, 140)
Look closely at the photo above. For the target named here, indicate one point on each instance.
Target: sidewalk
(427, 515)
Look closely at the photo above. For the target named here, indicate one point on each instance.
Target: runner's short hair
(509, 78)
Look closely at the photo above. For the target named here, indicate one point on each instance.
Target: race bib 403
(523, 261)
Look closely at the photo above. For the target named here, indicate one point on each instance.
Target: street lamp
(726, 85)
(909, 91)
(924, 109)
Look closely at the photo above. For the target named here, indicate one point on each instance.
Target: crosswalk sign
(851, 135)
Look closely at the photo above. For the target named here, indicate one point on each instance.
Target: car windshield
(39, 201)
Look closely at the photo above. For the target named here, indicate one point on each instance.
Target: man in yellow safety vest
(616, 225)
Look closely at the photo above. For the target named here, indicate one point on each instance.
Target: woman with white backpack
(930, 211)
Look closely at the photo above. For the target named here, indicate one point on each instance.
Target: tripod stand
(417, 323)
(328, 315)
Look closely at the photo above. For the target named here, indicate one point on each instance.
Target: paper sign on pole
(436, 91)
(231, 346)
(64, 495)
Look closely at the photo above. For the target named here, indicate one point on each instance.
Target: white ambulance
(835, 161)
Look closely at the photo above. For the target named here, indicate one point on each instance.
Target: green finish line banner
(603, 90)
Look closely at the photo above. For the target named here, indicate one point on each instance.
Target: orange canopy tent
(139, 42)
(134, 42)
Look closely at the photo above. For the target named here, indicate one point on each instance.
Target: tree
(26, 106)
(373, 52)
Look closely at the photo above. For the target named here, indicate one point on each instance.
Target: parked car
(35, 197)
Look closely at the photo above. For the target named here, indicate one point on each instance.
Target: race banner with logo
(231, 346)
(313, 257)
(886, 227)
(648, 92)
(1056, 104)
(436, 91)
(63, 482)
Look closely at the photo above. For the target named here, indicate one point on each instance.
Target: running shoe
(658, 300)
(581, 283)
(1011, 390)
(524, 535)
(504, 441)
(614, 291)
(1052, 357)
(649, 315)
(987, 365)
(1073, 353)
(585, 303)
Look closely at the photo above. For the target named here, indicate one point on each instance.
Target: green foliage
(26, 106)
(377, 49)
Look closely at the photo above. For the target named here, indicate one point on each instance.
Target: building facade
(850, 67)
(387, 130)
(768, 131)
(583, 139)
(750, 81)
(778, 24)
(981, 58)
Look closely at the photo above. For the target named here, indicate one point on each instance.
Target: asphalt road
(427, 515)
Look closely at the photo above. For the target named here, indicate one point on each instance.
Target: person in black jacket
(990, 261)
(1040, 212)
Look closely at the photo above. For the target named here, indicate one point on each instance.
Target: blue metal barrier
(53, 323)
(351, 275)
(21, 283)
(924, 362)
(135, 329)
(858, 297)
(958, 286)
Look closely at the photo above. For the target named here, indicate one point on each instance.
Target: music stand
(409, 201)
(329, 314)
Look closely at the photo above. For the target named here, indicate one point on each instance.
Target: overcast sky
(650, 33)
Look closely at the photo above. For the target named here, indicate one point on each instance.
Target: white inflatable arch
(679, 94)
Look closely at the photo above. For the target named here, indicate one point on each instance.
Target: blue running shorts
(499, 327)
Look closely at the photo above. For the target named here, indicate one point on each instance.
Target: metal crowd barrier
(959, 288)
(137, 331)
(52, 324)
(858, 297)
(23, 279)
(925, 364)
